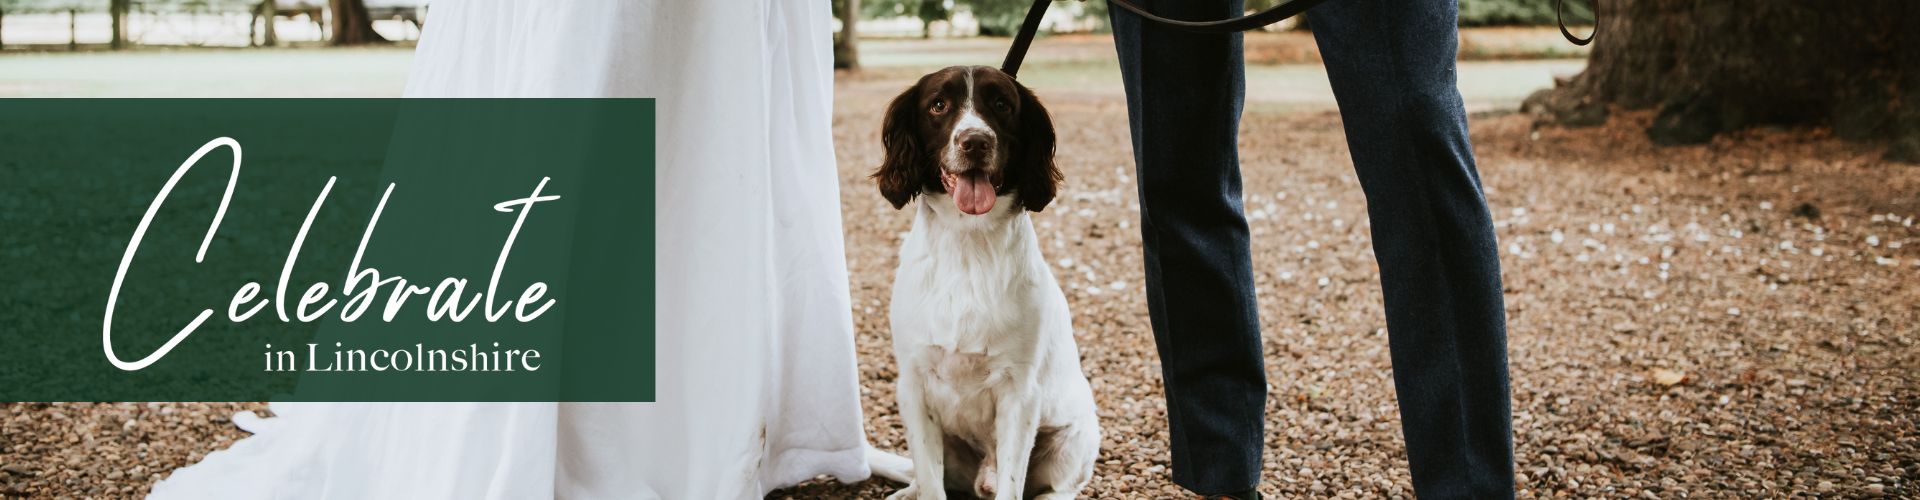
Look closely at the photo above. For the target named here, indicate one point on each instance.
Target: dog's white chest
(965, 300)
(956, 366)
(971, 318)
(959, 390)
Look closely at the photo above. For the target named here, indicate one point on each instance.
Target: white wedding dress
(757, 383)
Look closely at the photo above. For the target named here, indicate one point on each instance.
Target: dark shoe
(1244, 495)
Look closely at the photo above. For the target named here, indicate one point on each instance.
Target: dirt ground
(1728, 320)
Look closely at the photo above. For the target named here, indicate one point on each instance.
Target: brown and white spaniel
(990, 385)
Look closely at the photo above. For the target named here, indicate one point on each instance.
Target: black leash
(1289, 8)
(1560, 14)
(1018, 52)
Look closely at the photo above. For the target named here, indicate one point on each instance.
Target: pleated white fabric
(757, 382)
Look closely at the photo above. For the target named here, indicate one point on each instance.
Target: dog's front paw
(983, 482)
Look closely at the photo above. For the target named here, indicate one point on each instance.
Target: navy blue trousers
(1391, 63)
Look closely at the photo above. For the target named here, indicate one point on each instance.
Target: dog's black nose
(976, 142)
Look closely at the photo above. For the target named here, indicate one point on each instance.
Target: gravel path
(1728, 320)
(1731, 320)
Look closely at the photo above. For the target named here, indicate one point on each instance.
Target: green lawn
(1083, 64)
(207, 73)
(1086, 64)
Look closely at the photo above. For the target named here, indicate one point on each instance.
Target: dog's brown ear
(899, 175)
(1038, 178)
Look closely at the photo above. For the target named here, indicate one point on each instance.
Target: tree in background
(928, 11)
(846, 51)
(118, 9)
(1712, 66)
(1097, 10)
(351, 23)
(998, 17)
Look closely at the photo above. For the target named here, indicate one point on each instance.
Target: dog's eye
(1002, 106)
(939, 107)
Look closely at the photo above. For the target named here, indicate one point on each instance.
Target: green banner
(326, 250)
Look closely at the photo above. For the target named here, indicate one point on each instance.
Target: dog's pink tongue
(973, 194)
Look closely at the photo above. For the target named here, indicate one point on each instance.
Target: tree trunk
(846, 52)
(273, 31)
(1712, 66)
(117, 9)
(351, 24)
(270, 35)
